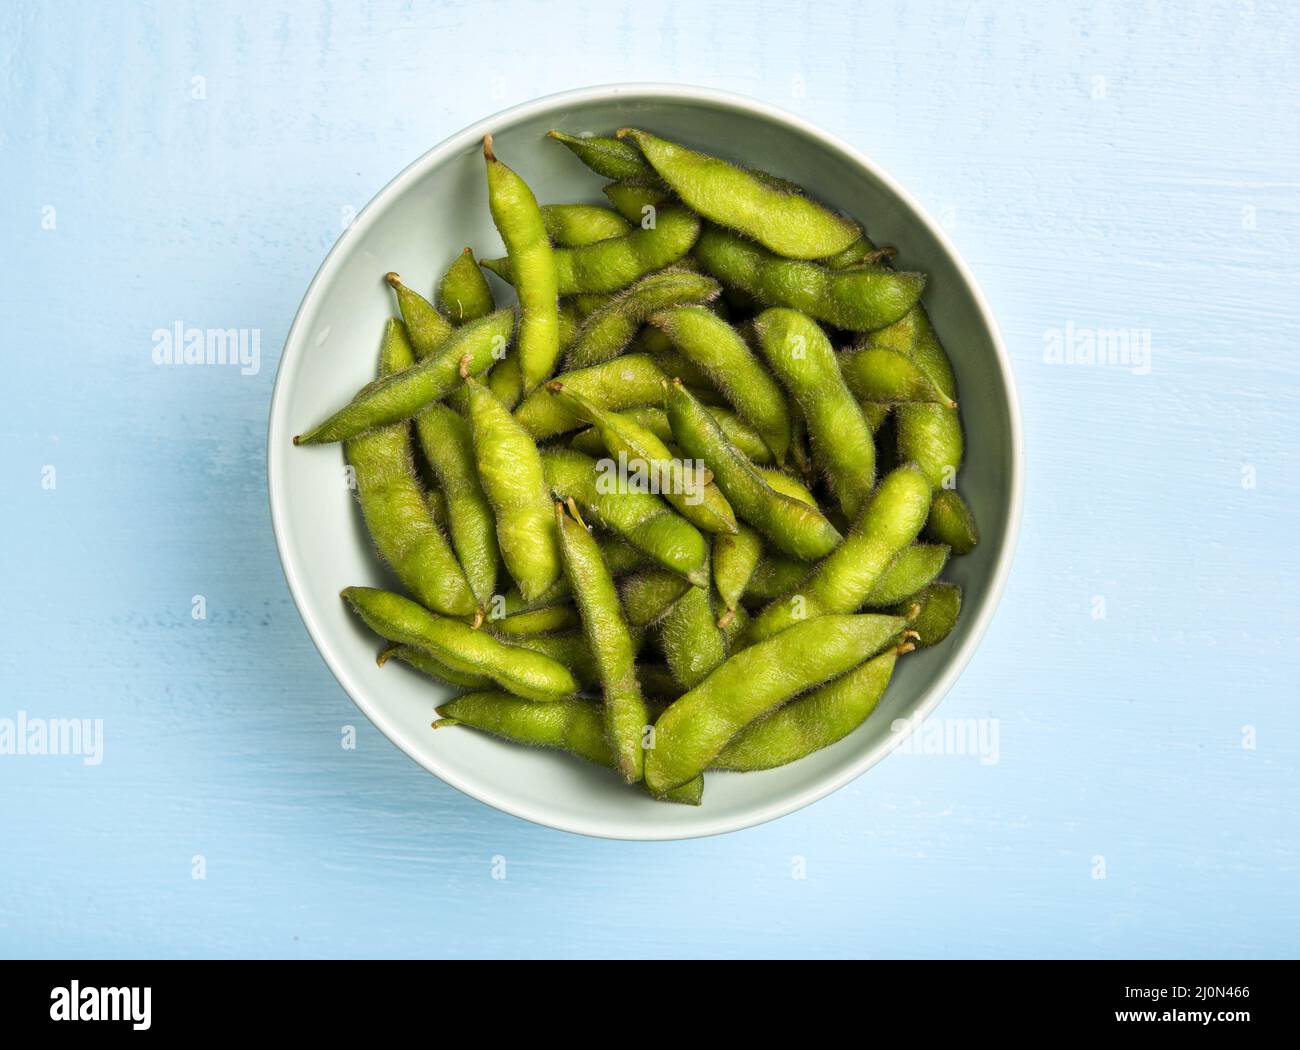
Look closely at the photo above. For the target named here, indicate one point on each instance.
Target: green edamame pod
(534, 622)
(810, 723)
(573, 225)
(620, 556)
(860, 298)
(856, 254)
(841, 582)
(787, 485)
(693, 644)
(738, 432)
(951, 522)
(774, 576)
(576, 726)
(428, 329)
(607, 331)
(460, 647)
(684, 485)
(426, 662)
(734, 560)
(437, 504)
(930, 436)
(912, 570)
(786, 223)
(449, 450)
(569, 648)
(933, 613)
(638, 198)
(506, 382)
(610, 643)
(641, 518)
(405, 394)
(694, 729)
(877, 374)
(532, 261)
(712, 344)
(630, 381)
(789, 525)
(613, 264)
(510, 469)
(842, 445)
(395, 507)
(648, 595)
(914, 337)
(463, 291)
(605, 155)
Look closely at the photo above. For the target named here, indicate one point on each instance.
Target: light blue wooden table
(1102, 167)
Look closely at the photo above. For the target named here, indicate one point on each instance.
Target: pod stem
(488, 154)
(443, 723)
(464, 367)
(725, 620)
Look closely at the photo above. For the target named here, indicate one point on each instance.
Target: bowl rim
(278, 447)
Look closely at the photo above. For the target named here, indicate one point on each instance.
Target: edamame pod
(694, 729)
(860, 298)
(784, 222)
(613, 264)
(460, 647)
(629, 381)
(405, 394)
(532, 262)
(734, 560)
(610, 643)
(712, 344)
(913, 569)
(930, 436)
(693, 644)
(534, 622)
(449, 450)
(510, 469)
(876, 374)
(774, 576)
(428, 329)
(842, 445)
(648, 595)
(637, 199)
(463, 291)
(791, 526)
(605, 155)
(951, 522)
(643, 519)
(642, 456)
(841, 582)
(607, 331)
(424, 661)
(575, 726)
(933, 613)
(395, 507)
(573, 225)
(506, 382)
(812, 722)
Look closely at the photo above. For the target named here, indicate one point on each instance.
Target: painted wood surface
(1102, 166)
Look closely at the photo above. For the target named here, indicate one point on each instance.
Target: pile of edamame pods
(719, 330)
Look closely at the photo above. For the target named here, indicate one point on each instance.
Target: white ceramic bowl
(416, 225)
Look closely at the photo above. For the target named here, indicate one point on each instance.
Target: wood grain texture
(1111, 166)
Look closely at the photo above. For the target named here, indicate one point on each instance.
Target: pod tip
(393, 279)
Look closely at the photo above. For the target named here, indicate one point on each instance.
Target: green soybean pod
(694, 729)
(607, 331)
(428, 329)
(534, 622)
(930, 436)
(532, 261)
(574, 726)
(449, 449)
(424, 661)
(437, 504)
(463, 291)
(613, 264)
(649, 594)
(933, 613)
(641, 518)
(630, 381)
(573, 225)
(858, 253)
(787, 485)
(886, 376)
(735, 558)
(914, 337)
(605, 155)
(842, 445)
(510, 469)
(395, 507)
(569, 648)
(403, 395)
(814, 721)
(619, 555)
(774, 576)
(738, 432)
(610, 643)
(636, 199)
(859, 298)
(841, 582)
(913, 569)
(686, 486)
(693, 644)
(786, 223)
(506, 382)
(952, 522)
(791, 526)
(459, 646)
(707, 340)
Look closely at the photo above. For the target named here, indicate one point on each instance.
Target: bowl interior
(416, 226)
